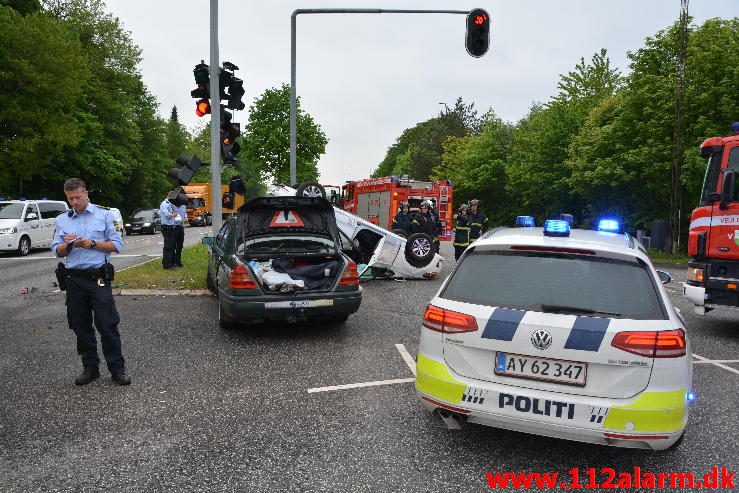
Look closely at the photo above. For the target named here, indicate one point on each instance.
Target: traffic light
(178, 196)
(235, 86)
(478, 32)
(189, 166)
(236, 185)
(202, 92)
(230, 148)
(227, 201)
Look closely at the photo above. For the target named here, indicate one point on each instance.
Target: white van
(27, 224)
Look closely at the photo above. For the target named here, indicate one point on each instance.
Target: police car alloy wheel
(569, 335)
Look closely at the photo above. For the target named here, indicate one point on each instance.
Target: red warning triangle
(286, 219)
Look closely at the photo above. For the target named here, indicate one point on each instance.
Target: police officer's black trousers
(170, 241)
(85, 299)
(179, 241)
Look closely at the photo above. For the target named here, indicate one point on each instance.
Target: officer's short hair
(74, 184)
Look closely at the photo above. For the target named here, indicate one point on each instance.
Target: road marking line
(407, 357)
(733, 370)
(23, 258)
(359, 385)
(712, 361)
(140, 263)
(122, 255)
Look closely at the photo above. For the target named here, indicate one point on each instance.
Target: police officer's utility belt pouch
(61, 276)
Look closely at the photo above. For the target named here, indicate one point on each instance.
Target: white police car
(567, 334)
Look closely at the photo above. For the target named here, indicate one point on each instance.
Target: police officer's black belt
(86, 273)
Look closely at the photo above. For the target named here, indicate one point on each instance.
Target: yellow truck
(200, 205)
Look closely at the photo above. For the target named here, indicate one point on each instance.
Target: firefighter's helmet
(426, 204)
(474, 202)
(463, 207)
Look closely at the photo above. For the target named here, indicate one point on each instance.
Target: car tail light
(350, 277)
(695, 274)
(664, 344)
(447, 321)
(241, 278)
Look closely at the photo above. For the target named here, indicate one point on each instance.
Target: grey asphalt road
(35, 272)
(211, 410)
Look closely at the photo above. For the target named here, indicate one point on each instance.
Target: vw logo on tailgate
(541, 339)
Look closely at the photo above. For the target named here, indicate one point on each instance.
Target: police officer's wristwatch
(93, 244)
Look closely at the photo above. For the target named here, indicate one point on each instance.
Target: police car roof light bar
(556, 227)
(609, 225)
(525, 222)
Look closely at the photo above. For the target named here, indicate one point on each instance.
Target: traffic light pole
(293, 97)
(215, 121)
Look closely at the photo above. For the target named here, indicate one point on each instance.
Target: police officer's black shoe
(121, 378)
(87, 376)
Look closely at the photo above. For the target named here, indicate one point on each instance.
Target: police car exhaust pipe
(452, 420)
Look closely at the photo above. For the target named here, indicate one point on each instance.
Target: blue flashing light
(609, 225)
(690, 396)
(735, 127)
(525, 221)
(556, 227)
(22, 199)
(2, 198)
(394, 179)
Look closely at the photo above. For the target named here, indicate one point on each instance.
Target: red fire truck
(377, 200)
(713, 241)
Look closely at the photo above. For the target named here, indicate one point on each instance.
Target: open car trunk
(290, 244)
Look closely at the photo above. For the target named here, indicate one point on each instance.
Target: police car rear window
(570, 284)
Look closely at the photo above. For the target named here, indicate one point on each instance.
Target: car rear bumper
(650, 420)
(252, 309)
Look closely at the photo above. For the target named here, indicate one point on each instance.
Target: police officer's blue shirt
(183, 213)
(95, 223)
(165, 209)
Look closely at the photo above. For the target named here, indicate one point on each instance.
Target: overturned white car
(411, 258)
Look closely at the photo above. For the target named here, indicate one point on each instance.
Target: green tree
(41, 69)
(177, 136)
(266, 143)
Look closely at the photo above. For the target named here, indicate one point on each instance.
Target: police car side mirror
(664, 277)
(208, 240)
(31, 216)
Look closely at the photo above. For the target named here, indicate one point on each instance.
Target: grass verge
(660, 257)
(151, 275)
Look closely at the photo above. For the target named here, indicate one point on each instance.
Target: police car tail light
(350, 277)
(241, 278)
(664, 344)
(447, 321)
(556, 227)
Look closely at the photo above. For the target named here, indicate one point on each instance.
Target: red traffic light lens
(480, 19)
(202, 107)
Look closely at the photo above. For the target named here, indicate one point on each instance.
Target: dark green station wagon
(282, 258)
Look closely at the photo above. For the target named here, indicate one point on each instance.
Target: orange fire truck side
(377, 200)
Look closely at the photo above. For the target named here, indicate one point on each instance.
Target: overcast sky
(366, 77)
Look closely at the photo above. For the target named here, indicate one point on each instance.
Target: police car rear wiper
(575, 310)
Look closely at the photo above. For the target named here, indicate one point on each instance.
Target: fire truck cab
(713, 241)
(378, 200)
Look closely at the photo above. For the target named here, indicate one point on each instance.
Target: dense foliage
(602, 145)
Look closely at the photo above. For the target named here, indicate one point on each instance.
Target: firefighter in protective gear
(439, 227)
(403, 219)
(425, 222)
(461, 231)
(478, 221)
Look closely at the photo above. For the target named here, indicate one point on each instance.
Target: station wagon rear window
(555, 283)
(287, 244)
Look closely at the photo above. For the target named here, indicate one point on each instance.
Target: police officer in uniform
(86, 236)
(478, 221)
(461, 231)
(170, 215)
(180, 234)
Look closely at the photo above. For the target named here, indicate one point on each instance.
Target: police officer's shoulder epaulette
(69, 213)
(103, 207)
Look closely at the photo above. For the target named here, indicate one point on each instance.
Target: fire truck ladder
(443, 206)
